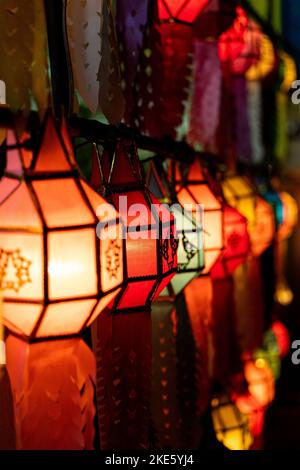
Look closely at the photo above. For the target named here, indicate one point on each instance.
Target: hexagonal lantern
(55, 273)
(193, 190)
(150, 242)
(190, 235)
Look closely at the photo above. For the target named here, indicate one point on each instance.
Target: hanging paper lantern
(261, 383)
(56, 275)
(150, 243)
(282, 337)
(240, 194)
(290, 216)
(236, 241)
(266, 60)
(190, 235)
(263, 232)
(182, 11)
(273, 198)
(239, 45)
(230, 425)
(193, 191)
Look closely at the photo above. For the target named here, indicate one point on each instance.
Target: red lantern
(55, 273)
(193, 189)
(261, 382)
(237, 244)
(180, 10)
(239, 46)
(150, 247)
(150, 243)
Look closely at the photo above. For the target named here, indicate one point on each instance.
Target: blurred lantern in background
(249, 407)
(263, 232)
(269, 352)
(239, 45)
(240, 194)
(55, 272)
(190, 235)
(261, 382)
(283, 294)
(193, 191)
(230, 425)
(237, 244)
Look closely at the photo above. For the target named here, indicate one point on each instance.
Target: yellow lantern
(289, 73)
(240, 194)
(230, 425)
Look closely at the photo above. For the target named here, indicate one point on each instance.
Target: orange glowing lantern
(237, 244)
(261, 382)
(239, 45)
(194, 192)
(55, 273)
(150, 242)
(249, 406)
(230, 425)
(180, 10)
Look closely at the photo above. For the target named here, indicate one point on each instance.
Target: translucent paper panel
(21, 318)
(19, 210)
(203, 195)
(61, 203)
(14, 164)
(185, 10)
(104, 210)
(21, 265)
(133, 208)
(211, 257)
(136, 294)
(72, 264)
(213, 230)
(186, 198)
(181, 280)
(7, 186)
(141, 257)
(111, 260)
(65, 318)
(103, 303)
(51, 153)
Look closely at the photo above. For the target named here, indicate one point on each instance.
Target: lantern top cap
(54, 153)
